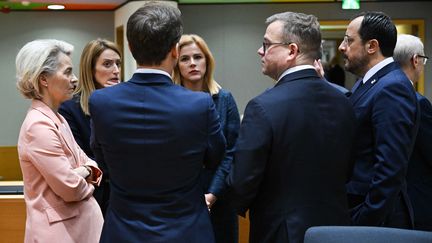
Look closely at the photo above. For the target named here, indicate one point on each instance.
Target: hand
(319, 68)
(82, 171)
(210, 200)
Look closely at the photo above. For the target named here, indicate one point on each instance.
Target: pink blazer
(59, 202)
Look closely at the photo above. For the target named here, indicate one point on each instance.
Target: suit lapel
(356, 85)
(360, 90)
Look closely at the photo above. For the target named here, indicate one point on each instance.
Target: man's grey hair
(302, 29)
(406, 47)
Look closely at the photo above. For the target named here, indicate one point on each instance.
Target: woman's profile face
(107, 69)
(61, 84)
(192, 63)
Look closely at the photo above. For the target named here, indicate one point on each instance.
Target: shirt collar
(152, 71)
(376, 68)
(295, 69)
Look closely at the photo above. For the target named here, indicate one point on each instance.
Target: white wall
(234, 33)
(18, 28)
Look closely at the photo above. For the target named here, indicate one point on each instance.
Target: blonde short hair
(210, 85)
(36, 58)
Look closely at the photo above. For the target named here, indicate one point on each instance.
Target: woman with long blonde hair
(100, 67)
(195, 71)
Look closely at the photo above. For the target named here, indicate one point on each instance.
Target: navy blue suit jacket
(419, 177)
(292, 159)
(214, 179)
(155, 137)
(387, 116)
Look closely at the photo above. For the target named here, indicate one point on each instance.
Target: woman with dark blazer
(100, 67)
(195, 71)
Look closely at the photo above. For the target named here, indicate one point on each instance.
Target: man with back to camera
(409, 53)
(293, 151)
(155, 137)
(387, 115)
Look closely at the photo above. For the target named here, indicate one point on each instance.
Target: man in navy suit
(409, 53)
(293, 151)
(155, 137)
(387, 115)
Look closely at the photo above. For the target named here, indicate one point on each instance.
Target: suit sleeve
(394, 125)
(424, 137)
(231, 130)
(250, 159)
(215, 141)
(47, 155)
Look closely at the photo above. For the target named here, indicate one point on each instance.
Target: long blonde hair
(209, 84)
(87, 81)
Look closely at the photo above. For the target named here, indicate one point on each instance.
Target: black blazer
(292, 159)
(419, 177)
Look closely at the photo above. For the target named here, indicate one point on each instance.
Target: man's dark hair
(379, 26)
(152, 31)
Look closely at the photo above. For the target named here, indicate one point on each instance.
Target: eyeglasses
(425, 58)
(266, 45)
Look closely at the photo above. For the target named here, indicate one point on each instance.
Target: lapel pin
(373, 81)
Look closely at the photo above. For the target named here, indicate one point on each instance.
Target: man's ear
(415, 61)
(293, 50)
(372, 46)
(175, 51)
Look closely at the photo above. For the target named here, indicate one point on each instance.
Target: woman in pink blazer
(58, 177)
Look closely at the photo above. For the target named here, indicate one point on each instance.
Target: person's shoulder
(224, 94)
(186, 95)
(395, 78)
(109, 91)
(35, 120)
(423, 101)
(421, 97)
(341, 89)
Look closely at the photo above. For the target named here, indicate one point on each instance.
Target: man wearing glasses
(293, 152)
(409, 52)
(387, 115)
